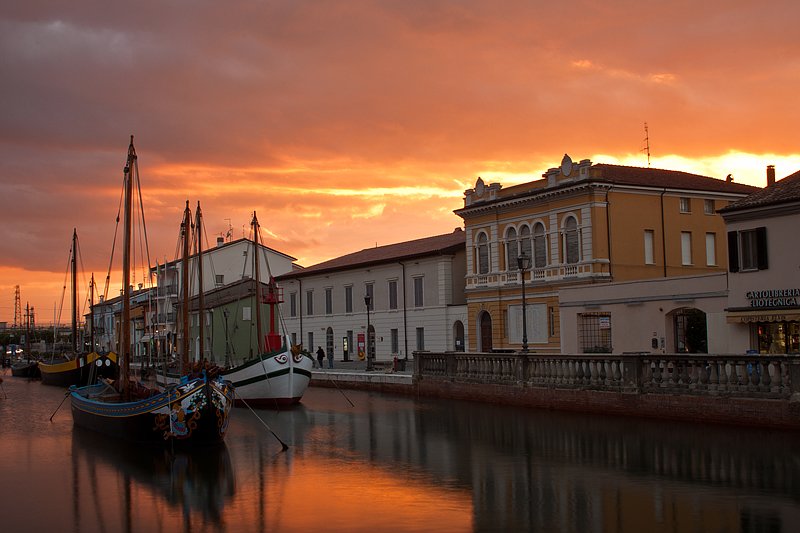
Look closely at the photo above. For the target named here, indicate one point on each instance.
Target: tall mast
(186, 230)
(258, 282)
(199, 248)
(125, 347)
(74, 292)
(91, 313)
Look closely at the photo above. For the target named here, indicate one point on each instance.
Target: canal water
(395, 463)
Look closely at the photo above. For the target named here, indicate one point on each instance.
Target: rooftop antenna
(646, 148)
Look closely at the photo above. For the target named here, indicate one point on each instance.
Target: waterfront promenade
(743, 389)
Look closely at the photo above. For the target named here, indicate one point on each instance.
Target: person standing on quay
(320, 356)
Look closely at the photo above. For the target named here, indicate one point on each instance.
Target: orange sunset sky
(347, 124)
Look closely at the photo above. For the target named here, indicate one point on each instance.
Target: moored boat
(194, 411)
(25, 369)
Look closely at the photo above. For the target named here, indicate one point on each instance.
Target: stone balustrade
(758, 375)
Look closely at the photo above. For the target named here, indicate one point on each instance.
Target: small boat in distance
(77, 368)
(194, 411)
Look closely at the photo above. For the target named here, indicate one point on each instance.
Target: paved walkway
(356, 371)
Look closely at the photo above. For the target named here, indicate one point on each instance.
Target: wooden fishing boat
(82, 370)
(194, 411)
(76, 368)
(280, 373)
(25, 369)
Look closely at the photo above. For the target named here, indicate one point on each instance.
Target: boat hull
(68, 372)
(25, 370)
(194, 412)
(275, 378)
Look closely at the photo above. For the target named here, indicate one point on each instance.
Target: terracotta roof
(782, 191)
(656, 177)
(439, 244)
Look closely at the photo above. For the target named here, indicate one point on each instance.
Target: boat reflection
(198, 482)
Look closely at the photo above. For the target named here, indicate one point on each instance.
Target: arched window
(511, 249)
(571, 241)
(539, 246)
(483, 254)
(525, 240)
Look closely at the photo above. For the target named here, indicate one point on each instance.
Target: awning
(764, 315)
(145, 338)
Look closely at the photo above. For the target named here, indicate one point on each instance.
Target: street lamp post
(524, 262)
(227, 344)
(368, 301)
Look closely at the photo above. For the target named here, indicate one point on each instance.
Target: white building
(763, 263)
(222, 265)
(417, 291)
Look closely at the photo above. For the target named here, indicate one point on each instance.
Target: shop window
(595, 332)
(778, 337)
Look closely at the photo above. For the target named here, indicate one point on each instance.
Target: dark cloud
(303, 110)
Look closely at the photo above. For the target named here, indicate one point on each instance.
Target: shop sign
(773, 298)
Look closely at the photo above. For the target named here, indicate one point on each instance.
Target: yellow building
(583, 224)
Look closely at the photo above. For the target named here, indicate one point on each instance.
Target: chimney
(770, 175)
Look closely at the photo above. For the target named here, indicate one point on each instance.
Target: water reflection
(397, 463)
(195, 483)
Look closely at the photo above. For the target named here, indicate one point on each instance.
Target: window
(418, 295)
(293, 304)
(595, 332)
(309, 303)
(747, 250)
(709, 207)
(552, 313)
(348, 299)
(420, 339)
(368, 290)
(686, 205)
(686, 247)
(395, 342)
(525, 241)
(219, 280)
(294, 338)
(311, 341)
(245, 313)
(393, 294)
(511, 249)
(328, 301)
(711, 249)
(539, 246)
(649, 258)
(483, 254)
(571, 239)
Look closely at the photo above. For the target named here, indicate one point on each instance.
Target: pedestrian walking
(320, 356)
(330, 359)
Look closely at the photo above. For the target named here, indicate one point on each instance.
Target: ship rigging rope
(144, 225)
(114, 242)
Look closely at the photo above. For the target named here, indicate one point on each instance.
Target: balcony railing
(551, 273)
